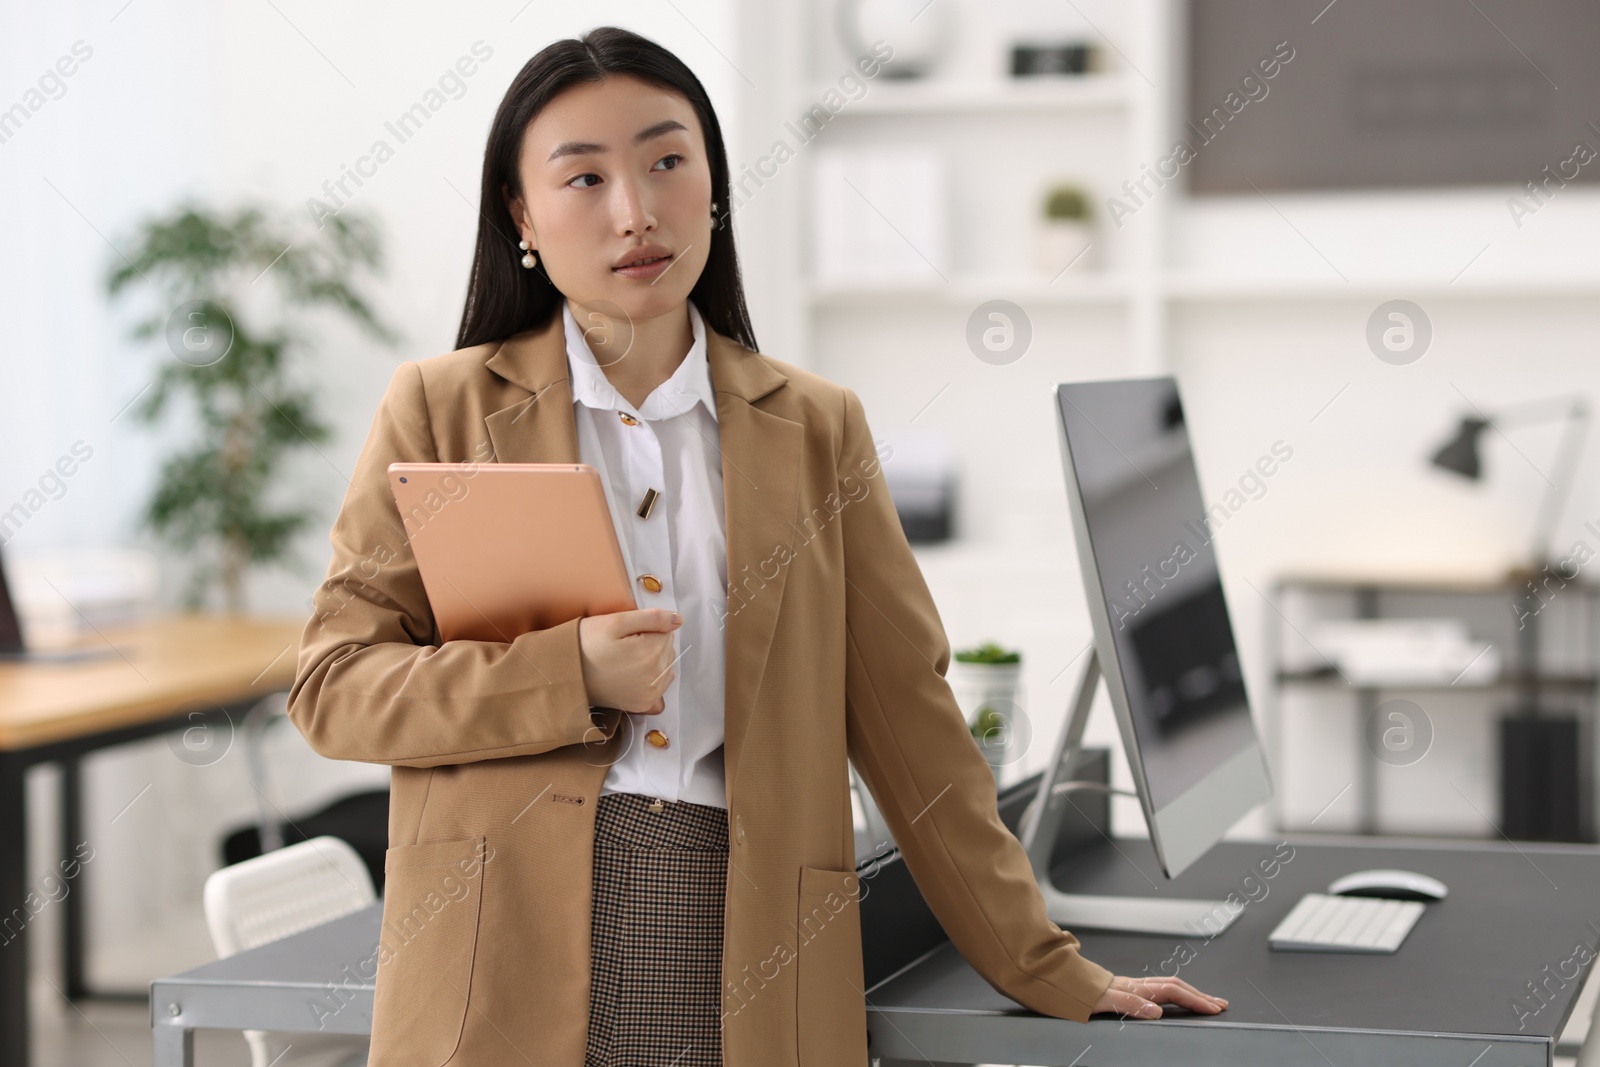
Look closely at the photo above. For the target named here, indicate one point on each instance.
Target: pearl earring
(716, 220)
(528, 260)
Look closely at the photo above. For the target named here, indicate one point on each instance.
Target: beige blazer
(835, 651)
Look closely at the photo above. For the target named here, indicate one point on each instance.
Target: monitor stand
(1041, 825)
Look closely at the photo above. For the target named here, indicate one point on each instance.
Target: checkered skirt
(656, 942)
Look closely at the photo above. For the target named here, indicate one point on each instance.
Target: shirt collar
(690, 382)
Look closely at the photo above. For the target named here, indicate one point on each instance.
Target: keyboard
(1323, 923)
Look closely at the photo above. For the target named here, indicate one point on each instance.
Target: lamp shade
(1460, 454)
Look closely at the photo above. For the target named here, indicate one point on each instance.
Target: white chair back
(277, 894)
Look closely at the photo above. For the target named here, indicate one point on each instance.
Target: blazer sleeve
(911, 745)
(370, 684)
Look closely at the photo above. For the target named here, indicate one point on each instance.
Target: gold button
(657, 738)
(650, 582)
(738, 829)
(628, 419)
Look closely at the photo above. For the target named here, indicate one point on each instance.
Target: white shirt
(672, 448)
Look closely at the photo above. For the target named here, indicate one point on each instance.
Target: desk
(1442, 999)
(172, 672)
(283, 985)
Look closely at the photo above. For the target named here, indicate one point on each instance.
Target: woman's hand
(627, 658)
(1141, 998)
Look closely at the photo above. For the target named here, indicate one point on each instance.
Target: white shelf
(935, 96)
(1109, 288)
(1194, 287)
(1087, 287)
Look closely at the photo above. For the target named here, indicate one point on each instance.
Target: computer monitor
(13, 642)
(1164, 641)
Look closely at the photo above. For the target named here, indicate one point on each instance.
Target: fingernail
(676, 618)
(1150, 1011)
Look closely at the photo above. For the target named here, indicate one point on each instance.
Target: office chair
(281, 893)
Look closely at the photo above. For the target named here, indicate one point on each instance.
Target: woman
(627, 839)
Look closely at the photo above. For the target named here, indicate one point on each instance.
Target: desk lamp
(1462, 454)
(1541, 797)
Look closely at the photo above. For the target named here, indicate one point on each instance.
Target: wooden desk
(199, 672)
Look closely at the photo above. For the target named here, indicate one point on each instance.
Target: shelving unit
(1567, 676)
(1103, 127)
(1094, 127)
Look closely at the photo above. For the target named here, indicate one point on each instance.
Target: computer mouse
(1389, 883)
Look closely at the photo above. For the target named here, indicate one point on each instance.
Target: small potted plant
(985, 681)
(1066, 231)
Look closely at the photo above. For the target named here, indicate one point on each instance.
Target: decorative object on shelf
(233, 347)
(916, 30)
(1382, 652)
(1053, 60)
(986, 681)
(1065, 236)
(1541, 769)
(880, 215)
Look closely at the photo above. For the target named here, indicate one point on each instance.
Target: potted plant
(228, 292)
(985, 680)
(1066, 232)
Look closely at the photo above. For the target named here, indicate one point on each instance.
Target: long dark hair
(503, 298)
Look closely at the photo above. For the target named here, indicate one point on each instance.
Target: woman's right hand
(627, 658)
(1141, 998)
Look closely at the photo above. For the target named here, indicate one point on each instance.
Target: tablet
(504, 548)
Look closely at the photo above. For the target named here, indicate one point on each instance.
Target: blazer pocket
(830, 1003)
(431, 901)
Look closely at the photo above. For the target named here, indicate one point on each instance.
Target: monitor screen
(10, 626)
(1162, 628)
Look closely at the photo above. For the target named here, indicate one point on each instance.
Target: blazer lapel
(540, 428)
(762, 456)
(761, 464)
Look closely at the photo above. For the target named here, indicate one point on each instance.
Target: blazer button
(657, 738)
(627, 419)
(650, 582)
(738, 829)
